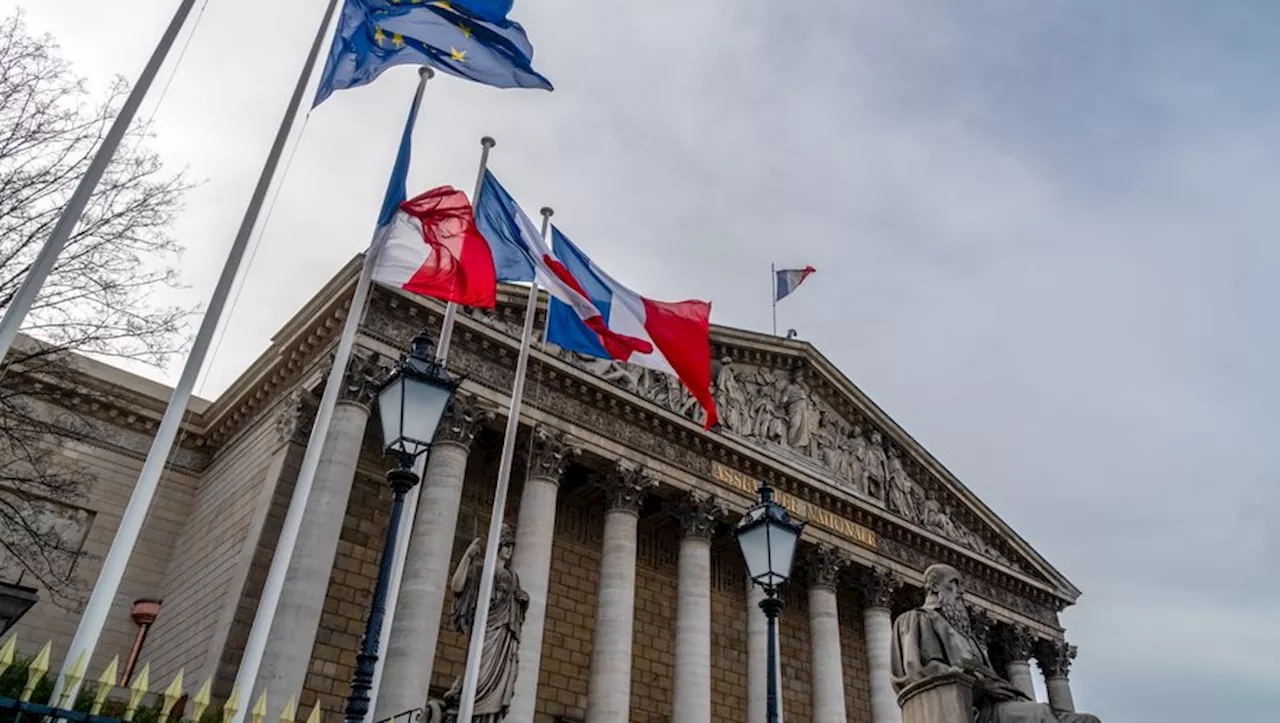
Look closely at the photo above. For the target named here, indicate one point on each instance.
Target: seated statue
(936, 639)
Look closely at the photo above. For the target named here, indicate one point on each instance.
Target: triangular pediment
(785, 400)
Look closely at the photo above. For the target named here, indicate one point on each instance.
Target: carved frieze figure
(731, 398)
(831, 447)
(799, 412)
(502, 626)
(935, 518)
(901, 498)
(938, 639)
(675, 396)
(624, 375)
(877, 464)
(858, 461)
(768, 421)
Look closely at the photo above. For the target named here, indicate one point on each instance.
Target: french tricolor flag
(788, 280)
(429, 245)
(590, 312)
(670, 337)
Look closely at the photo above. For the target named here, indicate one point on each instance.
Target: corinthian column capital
(1016, 641)
(625, 487)
(550, 453)
(462, 421)
(824, 564)
(366, 370)
(877, 586)
(699, 513)
(1054, 657)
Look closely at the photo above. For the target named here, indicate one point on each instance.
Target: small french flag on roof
(788, 280)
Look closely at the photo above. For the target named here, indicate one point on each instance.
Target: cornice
(292, 356)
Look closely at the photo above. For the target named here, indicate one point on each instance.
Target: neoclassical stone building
(622, 507)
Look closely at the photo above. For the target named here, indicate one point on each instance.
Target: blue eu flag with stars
(471, 39)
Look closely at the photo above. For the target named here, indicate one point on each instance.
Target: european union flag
(471, 39)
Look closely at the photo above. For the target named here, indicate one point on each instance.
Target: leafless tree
(99, 300)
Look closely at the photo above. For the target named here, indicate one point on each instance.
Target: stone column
(293, 629)
(877, 586)
(757, 654)
(691, 700)
(1017, 641)
(609, 684)
(531, 561)
(824, 564)
(412, 649)
(1054, 657)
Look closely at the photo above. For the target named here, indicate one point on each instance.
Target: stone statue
(731, 398)
(937, 641)
(901, 500)
(498, 664)
(877, 466)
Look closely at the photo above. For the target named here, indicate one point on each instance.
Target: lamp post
(411, 404)
(768, 538)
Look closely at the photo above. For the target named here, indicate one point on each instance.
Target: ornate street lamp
(768, 538)
(411, 403)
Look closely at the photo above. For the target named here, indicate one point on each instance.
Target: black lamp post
(411, 404)
(768, 538)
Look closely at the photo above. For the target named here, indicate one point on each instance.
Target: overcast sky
(1043, 233)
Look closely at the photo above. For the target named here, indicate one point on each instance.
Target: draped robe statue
(501, 631)
(937, 638)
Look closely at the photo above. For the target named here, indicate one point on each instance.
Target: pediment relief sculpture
(775, 410)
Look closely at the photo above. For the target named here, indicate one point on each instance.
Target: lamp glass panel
(782, 543)
(425, 403)
(754, 542)
(390, 404)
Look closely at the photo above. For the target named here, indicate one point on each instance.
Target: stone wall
(113, 477)
(213, 554)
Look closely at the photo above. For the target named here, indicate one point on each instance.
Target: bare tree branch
(98, 299)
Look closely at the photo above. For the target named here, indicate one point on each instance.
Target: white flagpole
(43, 264)
(411, 500)
(475, 647)
(96, 611)
(256, 645)
(773, 294)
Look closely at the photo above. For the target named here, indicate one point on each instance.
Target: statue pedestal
(945, 698)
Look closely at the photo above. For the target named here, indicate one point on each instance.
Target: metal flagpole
(475, 647)
(256, 645)
(411, 500)
(773, 293)
(113, 568)
(43, 264)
